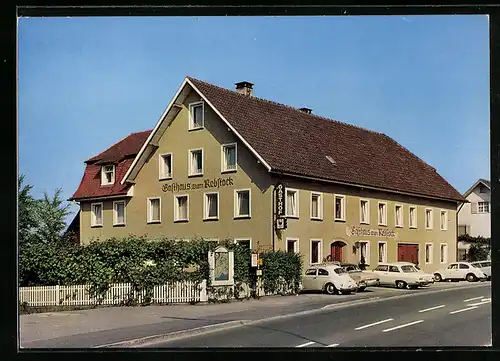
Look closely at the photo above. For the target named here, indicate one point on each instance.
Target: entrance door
(336, 251)
(408, 253)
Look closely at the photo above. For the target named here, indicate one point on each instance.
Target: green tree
(27, 221)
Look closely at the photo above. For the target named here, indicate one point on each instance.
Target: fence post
(203, 291)
(57, 295)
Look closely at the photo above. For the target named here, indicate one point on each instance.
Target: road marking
(432, 308)
(463, 309)
(373, 324)
(486, 299)
(305, 344)
(473, 299)
(333, 345)
(401, 326)
(479, 303)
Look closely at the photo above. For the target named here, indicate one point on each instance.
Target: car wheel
(330, 289)
(400, 284)
(471, 277)
(361, 289)
(437, 277)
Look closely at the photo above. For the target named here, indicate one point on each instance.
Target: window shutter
(473, 207)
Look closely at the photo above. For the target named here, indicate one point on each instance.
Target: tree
(27, 222)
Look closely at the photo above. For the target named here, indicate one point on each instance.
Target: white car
(459, 271)
(428, 276)
(330, 278)
(401, 275)
(484, 266)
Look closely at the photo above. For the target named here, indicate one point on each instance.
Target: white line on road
(463, 309)
(305, 344)
(373, 324)
(333, 345)
(401, 326)
(473, 299)
(432, 308)
(479, 303)
(486, 299)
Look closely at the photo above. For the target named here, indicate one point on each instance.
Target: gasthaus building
(225, 164)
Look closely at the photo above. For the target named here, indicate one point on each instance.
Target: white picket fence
(77, 295)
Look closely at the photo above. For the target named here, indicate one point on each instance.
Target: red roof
(121, 154)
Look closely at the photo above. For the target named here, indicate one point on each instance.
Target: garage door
(408, 253)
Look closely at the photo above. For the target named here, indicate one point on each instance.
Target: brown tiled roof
(122, 155)
(294, 142)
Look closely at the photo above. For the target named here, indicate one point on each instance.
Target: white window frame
(191, 119)
(401, 225)
(384, 254)
(149, 210)
(104, 182)
(320, 206)
(239, 239)
(415, 216)
(444, 227)
(115, 213)
(431, 223)
(190, 162)
(236, 205)
(361, 211)
(384, 214)
(431, 253)
(161, 161)
(223, 158)
(297, 206)
(320, 250)
(445, 258)
(483, 211)
(296, 247)
(342, 205)
(368, 254)
(93, 217)
(205, 206)
(176, 208)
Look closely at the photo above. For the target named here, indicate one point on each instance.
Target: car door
(309, 279)
(451, 271)
(394, 274)
(382, 273)
(463, 270)
(486, 268)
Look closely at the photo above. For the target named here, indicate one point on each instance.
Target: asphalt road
(459, 317)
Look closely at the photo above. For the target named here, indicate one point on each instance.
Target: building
(211, 165)
(474, 217)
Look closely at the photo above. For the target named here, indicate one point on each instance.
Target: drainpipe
(456, 225)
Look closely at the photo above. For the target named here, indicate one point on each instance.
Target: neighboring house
(474, 218)
(210, 166)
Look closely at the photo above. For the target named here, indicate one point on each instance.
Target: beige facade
(258, 227)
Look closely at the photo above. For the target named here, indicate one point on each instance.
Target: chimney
(306, 110)
(245, 88)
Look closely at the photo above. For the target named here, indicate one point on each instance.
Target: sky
(86, 83)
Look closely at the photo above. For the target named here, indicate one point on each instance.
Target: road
(459, 317)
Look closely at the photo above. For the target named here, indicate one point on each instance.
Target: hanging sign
(280, 199)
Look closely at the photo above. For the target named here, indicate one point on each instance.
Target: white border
(384, 256)
(431, 226)
(320, 248)
(384, 218)
(343, 207)
(445, 228)
(176, 208)
(296, 244)
(190, 160)
(113, 178)
(396, 225)
(149, 213)
(237, 240)
(223, 164)
(431, 254)
(115, 213)
(93, 217)
(190, 116)
(235, 208)
(205, 207)
(161, 175)
(297, 206)
(409, 217)
(320, 206)
(361, 211)
(445, 258)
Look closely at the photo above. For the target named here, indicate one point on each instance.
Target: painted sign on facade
(205, 184)
(360, 231)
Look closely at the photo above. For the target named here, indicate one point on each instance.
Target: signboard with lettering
(280, 199)
(206, 184)
(281, 223)
(255, 259)
(360, 231)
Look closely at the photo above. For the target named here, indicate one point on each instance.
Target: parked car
(428, 276)
(400, 274)
(363, 278)
(330, 278)
(484, 266)
(459, 271)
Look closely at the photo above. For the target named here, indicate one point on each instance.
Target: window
(462, 230)
(119, 213)
(107, 174)
(382, 214)
(154, 207)
(364, 251)
(311, 272)
(339, 206)
(339, 271)
(463, 266)
(382, 251)
(211, 206)
(316, 206)
(382, 267)
(443, 253)
(453, 266)
(242, 203)
(364, 211)
(292, 245)
(322, 272)
(96, 215)
(444, 220)
(428, 253)
(166, 166)
(196, 112)
(229, 157)
(244, 242)
(196, 162)
(181, 205)
(408, 269)
(315, 251)
(393, 269)
(398, 215)
(483, 207)
(428, 218)
(413, 217)
(292, 203)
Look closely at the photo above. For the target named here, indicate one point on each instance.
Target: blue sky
(85, 83)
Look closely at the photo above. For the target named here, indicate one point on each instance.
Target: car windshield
(339, 270)
(408, 269)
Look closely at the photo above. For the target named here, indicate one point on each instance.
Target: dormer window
(196, 120)
(107, 175)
